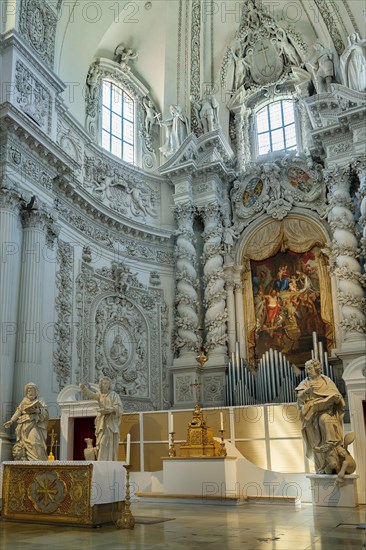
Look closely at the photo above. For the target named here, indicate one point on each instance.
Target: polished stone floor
(209, 527)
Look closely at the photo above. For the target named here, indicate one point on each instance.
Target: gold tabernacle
(200, 441)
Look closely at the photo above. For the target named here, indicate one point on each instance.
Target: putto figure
(321, 410)
(108, 418)
(31, 417)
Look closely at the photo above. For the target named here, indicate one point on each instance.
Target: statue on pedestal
(176, 130)
(207, 113)
(108, 419)
(31, 417)
(353, 63)
(321, 410)
(323, 68)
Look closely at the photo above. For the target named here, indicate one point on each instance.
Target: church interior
(183, 232)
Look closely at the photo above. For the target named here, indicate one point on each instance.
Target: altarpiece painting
(287, 290)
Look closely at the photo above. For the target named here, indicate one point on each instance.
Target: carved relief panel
(120, 334)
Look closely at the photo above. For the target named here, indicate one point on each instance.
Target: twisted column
(36, 223)
(344, 253)
(360, 167)
(10, 242)
(214, 281)
(186, 280)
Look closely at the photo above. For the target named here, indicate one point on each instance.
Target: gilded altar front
(54, 493)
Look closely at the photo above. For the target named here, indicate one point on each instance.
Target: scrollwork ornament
(213, 389)
(37, 23)
(62, 357)
(32, 97)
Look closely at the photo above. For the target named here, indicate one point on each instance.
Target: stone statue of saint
(92, 80)
(321, 410)
(353, 63)
(323, 68)
(151, 115)
(241, 67)
(31, 417)
(207, 112)
(108, 418)
(176, 130)
(229, 236)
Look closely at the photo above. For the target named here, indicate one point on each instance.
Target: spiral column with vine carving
(344, 255)
(186, 279)
(360, 168)
(214, 281)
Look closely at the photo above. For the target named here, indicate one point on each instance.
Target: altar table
(70, 492)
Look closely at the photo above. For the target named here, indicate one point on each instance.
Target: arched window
(276, 127)
(118, 128)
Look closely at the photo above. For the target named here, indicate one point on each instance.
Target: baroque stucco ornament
(37, 24)
(124, 193)
(261, 53)
(275, 188)
(120, 333)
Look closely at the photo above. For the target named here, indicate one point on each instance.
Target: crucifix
(196, 386)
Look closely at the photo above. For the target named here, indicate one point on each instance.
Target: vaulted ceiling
(161, 32)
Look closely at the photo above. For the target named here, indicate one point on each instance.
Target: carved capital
(184, 214)
(10, 199)
(338, 180)
(359, 165)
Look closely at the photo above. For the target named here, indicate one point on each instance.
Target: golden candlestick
(126, 521)
(51, 457)
(222, 450)
(172, 452)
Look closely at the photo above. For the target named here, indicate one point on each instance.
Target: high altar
(202, 461)
(70, 492)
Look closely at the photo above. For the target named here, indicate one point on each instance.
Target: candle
(128, 449)
(171, 423)
(222, 421)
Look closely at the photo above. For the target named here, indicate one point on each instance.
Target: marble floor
(204, 526)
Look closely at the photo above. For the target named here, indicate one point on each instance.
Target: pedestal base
(206, 477)
(326, 491)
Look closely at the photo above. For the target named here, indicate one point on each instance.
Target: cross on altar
(196, 386)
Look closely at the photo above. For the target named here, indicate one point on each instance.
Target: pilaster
(38, 224)
(10, 242)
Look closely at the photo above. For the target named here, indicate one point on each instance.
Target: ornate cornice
(112, 234)
(208, 153)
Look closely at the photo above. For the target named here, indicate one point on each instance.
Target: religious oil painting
(287, 304)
